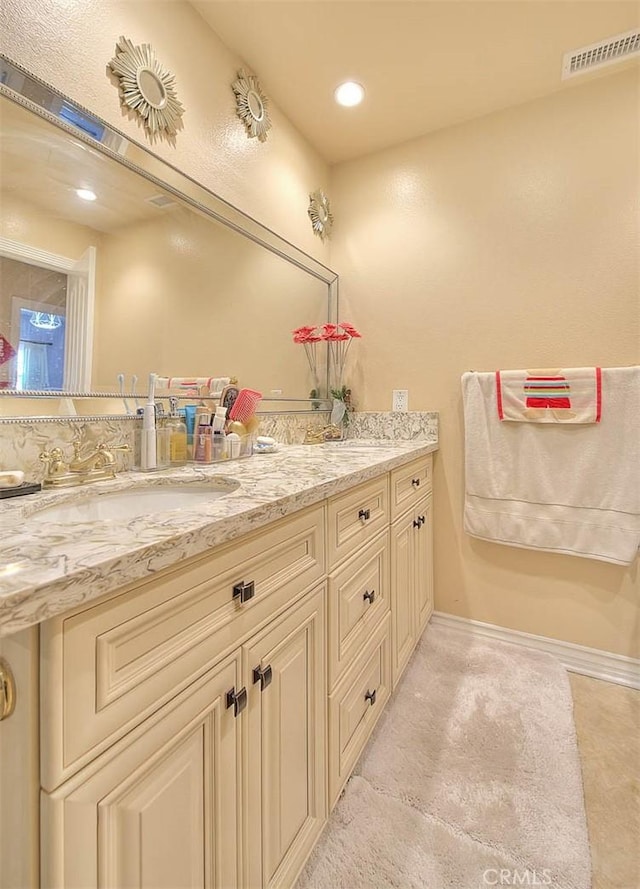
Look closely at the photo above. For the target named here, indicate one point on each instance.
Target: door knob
(369, 596)
(7, 690)
(263, 675)
(244, 591)
(371, 697)
(237, 700)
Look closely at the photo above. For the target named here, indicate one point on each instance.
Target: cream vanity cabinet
(411, 559)
(197, 726)
(187, 722)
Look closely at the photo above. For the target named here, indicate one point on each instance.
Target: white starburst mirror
(320, 214)
(146, 87)
(251, 105)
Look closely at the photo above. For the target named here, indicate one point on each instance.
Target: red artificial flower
(306, 334)
(349, 329)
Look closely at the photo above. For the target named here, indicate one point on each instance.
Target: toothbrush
(148, 449)
(134, 383)
(126, 403)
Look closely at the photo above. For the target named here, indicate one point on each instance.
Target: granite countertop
(48, 567)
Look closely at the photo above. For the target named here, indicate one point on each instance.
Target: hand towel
(563, 488)
(550, 396)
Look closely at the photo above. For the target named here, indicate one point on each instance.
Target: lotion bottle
(177, 432)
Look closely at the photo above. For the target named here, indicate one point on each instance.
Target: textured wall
(68, 43)
(510, 241)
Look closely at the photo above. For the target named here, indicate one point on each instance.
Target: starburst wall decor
(320, 214)
(146, 87)
(251, 105)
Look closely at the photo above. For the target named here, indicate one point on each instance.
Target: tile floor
(607, 720)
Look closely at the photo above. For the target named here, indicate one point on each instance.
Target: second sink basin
(134, 502)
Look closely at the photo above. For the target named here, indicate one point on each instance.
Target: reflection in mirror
(139, 279)
(151, 87)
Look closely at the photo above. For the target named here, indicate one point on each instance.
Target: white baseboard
(576, 658)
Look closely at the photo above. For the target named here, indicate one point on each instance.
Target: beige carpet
(472, 779)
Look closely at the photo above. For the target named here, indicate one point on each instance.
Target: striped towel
(573, 395)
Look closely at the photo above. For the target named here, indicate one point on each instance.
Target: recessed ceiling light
(86, 194)
(349, 94)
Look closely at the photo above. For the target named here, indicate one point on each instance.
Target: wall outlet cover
(400, 400)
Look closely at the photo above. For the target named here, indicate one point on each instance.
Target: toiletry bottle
(148, 453)
(177, 435)
(219, 446)
(203, 444)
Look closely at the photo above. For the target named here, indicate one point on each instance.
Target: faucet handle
(53, 460)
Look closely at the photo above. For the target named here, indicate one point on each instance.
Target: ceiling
(425, 65)
(42, 166)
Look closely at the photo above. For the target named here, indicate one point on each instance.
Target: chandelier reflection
(45, 320)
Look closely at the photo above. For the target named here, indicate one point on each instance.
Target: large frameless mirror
(113, 264)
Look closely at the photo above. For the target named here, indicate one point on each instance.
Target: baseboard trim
(576, 658)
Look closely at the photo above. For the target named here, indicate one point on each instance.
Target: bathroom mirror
(145, 271)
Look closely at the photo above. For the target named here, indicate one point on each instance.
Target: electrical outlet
(400, 400)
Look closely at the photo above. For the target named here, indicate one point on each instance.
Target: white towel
(568, 489)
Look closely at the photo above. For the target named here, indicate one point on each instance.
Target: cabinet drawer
(409, 484)
(358, 598)
(355, 518)
(111, 665)
(355, 705)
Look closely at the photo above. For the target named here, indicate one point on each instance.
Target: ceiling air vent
(161, 200)
(615, 49)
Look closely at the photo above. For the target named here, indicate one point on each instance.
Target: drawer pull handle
(364, 514)
(421, 519)
(417, 523)
(237, 700)
(415, 482)
(263, 675)
(369, 596)
(7, 690)
(371, 697)
(244, 591)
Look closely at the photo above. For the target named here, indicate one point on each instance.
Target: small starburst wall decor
(146, 87)
(320, 214)
(251, 105)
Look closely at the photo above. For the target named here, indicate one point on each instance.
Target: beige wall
(183, 296)
(68, 44)
(510, 241)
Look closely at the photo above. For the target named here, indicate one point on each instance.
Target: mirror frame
(20, 86)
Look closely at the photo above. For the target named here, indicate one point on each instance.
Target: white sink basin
(132, 503)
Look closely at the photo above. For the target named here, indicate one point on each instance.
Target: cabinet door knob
(415, 482)
(369, 596)
(237, 700)
(364, 514)
(263, 675)
(417, 523)
(371, 697)
(421, 519)
(244, 591)
(7, 690)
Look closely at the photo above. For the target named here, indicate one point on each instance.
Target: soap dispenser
(177, 432)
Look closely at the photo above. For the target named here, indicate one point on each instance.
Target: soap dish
(20, 490)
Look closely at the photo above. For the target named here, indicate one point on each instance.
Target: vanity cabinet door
(411, 582)
(285, 751)
(423, 561)
(160, 809)
(402, 597)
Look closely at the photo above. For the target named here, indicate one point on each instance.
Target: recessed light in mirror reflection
(349, 94)
(86, 194)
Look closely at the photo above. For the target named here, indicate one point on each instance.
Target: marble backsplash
(22, 441)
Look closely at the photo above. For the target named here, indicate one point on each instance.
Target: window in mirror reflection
(32, 321)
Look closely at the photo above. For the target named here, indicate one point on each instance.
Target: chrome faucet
(98, 465)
